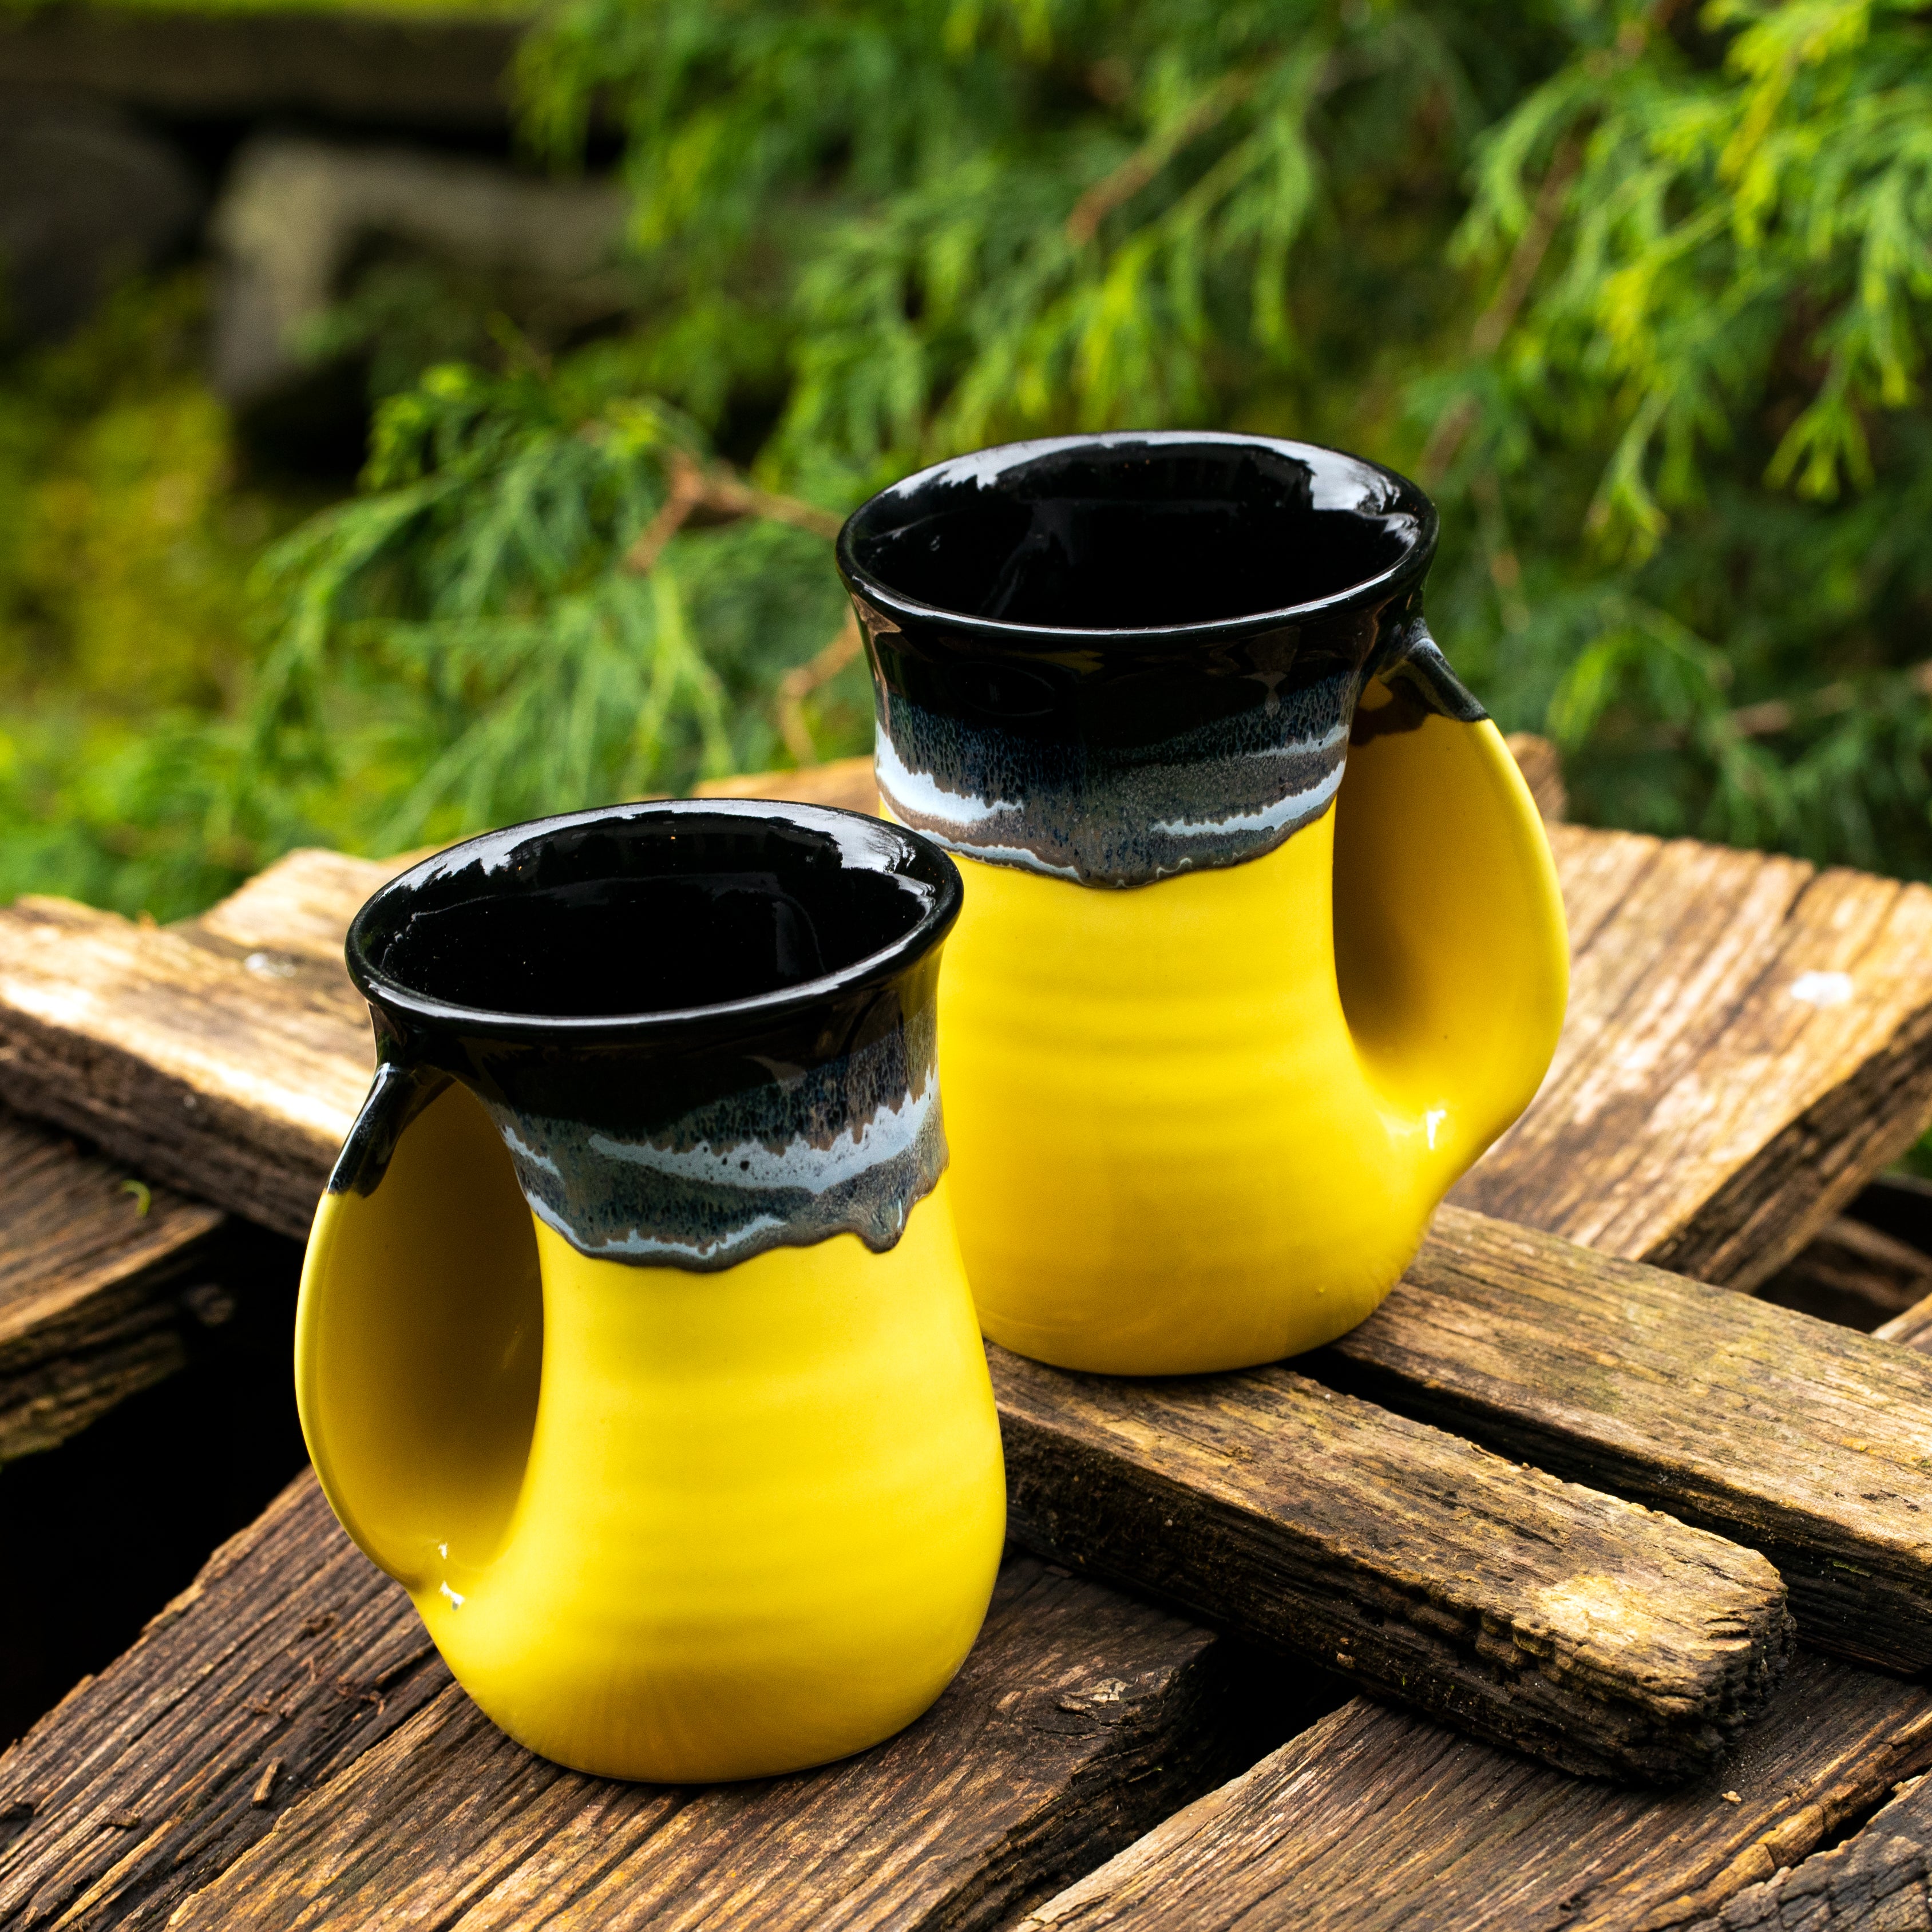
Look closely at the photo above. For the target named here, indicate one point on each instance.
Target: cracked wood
(1080, 1718)
(1594, 1633)
(1809, 1442)
(1374, 1820)
(1347, 1825)
(89, 1264)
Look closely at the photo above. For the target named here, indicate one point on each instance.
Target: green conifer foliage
(1642, 292)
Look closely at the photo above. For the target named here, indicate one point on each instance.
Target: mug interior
(645, 911)
(1135, 533)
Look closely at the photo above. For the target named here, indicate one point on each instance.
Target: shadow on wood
(326, 1765)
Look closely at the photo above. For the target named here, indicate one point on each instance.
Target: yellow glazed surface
(1203, 1124)
(662, 1524)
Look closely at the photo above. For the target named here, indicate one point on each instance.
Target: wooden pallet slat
(1749, 1040)
(1351, 1824)
(1375, 1820)
(100, 1825)
(326, 1766)
(1811, 1443)
(1595, 1633)
(88, 1266)
(231, 1081)
(1879, 1881)
(248, 1022)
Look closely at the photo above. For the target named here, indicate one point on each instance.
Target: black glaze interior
(705, 1028)
(1114, 658)
(1137, 532)
(653, 910)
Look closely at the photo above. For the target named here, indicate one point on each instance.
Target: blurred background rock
(413, 419)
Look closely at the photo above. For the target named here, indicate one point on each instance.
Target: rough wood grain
(147, 1798)
(88, 1267)
(1911, 1330)
(1376, 1821)
(1749, 1040)
(1541, 765)
(1594, 1633)
(232, 1082)
(265, 950)
(1879, 1881)
(1809, 1442)
(1355, 1822)
(1527, 1655)
(296, 913)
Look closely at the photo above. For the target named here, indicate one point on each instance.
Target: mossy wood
(91, 1265)
(323, 1769)
(1809, 1442)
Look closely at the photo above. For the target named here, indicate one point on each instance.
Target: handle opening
(419, 1336)
(1451, 951)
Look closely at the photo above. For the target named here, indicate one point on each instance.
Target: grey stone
(296, 212)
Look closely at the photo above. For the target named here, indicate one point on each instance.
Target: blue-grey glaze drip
(1219, 794)
(776, 1083)
(1114, 659)
(851, 1146)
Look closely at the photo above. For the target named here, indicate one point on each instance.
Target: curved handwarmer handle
(1451, 950)
(419, 1332)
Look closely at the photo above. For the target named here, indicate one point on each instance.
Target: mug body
(1261, 942)
(634, 1337)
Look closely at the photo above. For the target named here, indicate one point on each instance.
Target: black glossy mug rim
(926, 863)
(1410, 500)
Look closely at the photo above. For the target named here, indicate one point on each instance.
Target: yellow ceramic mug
(1262, 944)
(633, 1338)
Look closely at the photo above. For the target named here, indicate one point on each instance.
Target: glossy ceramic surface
(633, 1336)
(1262, 943)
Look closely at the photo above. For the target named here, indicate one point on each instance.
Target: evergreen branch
(719, 489)
(1115, 190)
(799, 683)
(1499, 317)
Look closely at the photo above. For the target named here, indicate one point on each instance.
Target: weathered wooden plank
(234, 1082)
(1353, 1823)
(1374, 1820)
(1516, 1653)
(299, 902)
(1533, 1613)
(1911, 1330)
(284, 1744)
(1879, 1881)
(296, 913)
(1907, 1205)
(88, 1264)
(1853, 1274)
(1809, 1442)
(1541, 765)
(1749, 1040)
